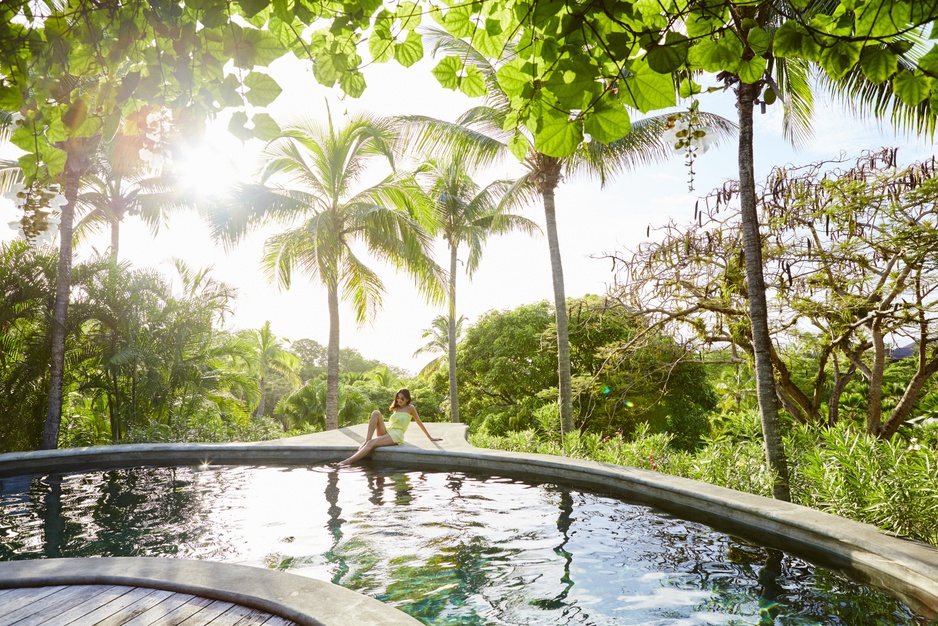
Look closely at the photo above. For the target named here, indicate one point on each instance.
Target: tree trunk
(551, 177)
(74, 169)
(332, 361)
(262, 403)
(115, 239)
(758, 308)
(451, 339)
(874, 407)
(840, 383)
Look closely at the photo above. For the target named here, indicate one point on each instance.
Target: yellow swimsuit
(396, 426)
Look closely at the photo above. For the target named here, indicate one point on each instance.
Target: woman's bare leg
(375, 424)
(367, 448)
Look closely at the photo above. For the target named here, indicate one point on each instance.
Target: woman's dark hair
(400, 392)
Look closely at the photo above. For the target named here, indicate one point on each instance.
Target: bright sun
(208, 169)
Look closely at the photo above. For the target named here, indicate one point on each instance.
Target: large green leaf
(519, 145)
(457, 20)
(381, 44)
(353, 83)
(840, 57)
(646, 89)
(265, 127)
(410, 51)
(609, 121)
(54, 158)
(446, 72)
(752, 71)
(793, 40)
(878, 64)
(409, 14)
(912, 88)
(263, 88)
(471, 81)
(514, 80)
(669, 56)
(10, 97)
(558, 135)
(882, 18)
(237, 126)
(759, 41)
(573, 85)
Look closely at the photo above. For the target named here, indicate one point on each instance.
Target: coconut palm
(120, 184)
(322, 165)
(268, 356)
(438, 344)
(479, 135)
(789, 81)
(467, 215)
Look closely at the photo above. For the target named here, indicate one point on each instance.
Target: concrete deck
(906, 569)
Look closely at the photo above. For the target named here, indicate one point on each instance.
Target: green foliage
(508, 375)
(27, 280)
(503, 359)
(890, 484)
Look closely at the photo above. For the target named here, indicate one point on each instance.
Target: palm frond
(429, 136)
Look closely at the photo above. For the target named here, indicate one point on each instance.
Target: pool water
(445, 547)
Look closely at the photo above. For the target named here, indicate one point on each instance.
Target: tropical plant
(480, 135)
(438, 335)
(119, 184)
(323, 165)
(27, 279)
(466, 216)
(268, 357)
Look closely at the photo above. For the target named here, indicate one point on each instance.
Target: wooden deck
(114, 605)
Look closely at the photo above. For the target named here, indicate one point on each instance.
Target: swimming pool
(445, 547)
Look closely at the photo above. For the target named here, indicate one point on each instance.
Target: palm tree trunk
(758, 308)
(560, 307)
(115, 239)
(451, 339)
(63, 284)
(262, 403)
(332, 361)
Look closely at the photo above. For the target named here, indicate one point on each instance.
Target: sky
(515, 269)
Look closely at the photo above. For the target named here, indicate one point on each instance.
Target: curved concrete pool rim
(906, 569)
(303, 600)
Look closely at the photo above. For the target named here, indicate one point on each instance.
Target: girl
(392, 433)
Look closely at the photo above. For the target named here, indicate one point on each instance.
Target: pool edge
(905, 568)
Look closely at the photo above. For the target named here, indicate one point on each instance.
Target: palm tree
(439, 343)
(789, 80)
(467, 215)
(479, 134)
(119, 184)
(268, 356)
(322, 165)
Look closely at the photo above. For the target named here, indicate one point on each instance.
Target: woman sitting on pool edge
(392, 433)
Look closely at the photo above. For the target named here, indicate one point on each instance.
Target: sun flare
(207, 169)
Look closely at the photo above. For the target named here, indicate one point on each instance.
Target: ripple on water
(446, 547)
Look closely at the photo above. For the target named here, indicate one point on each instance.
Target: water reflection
(445, 547)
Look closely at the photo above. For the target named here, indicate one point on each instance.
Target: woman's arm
(413, 413)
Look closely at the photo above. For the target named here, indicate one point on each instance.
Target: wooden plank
(279, 621)
(208, 613)
(95, 597)
(161, 614)
(44, 610)
(115, 606)
(185, 611)
(138, 607)
(18, 598)
(239, 616)
(84, 600)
